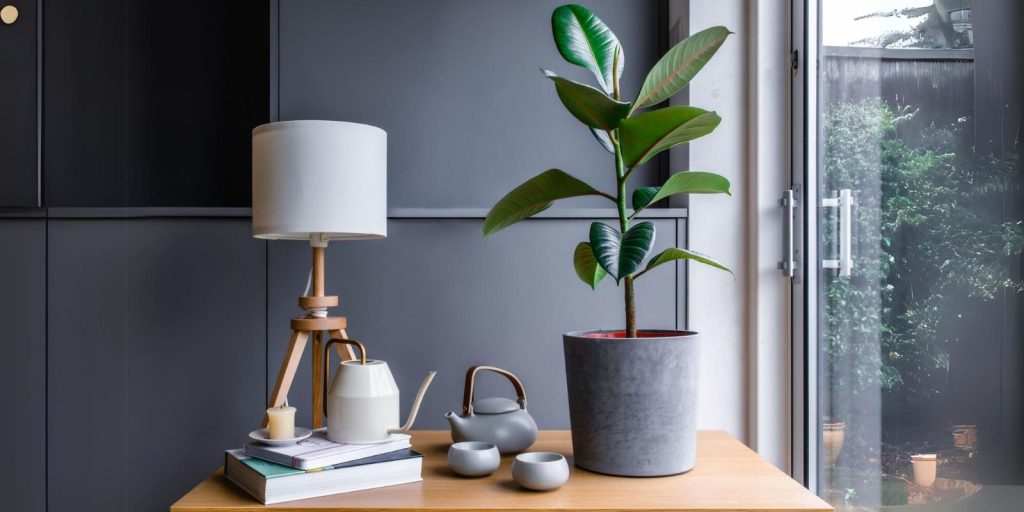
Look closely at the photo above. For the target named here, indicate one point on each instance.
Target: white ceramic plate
(262, 436)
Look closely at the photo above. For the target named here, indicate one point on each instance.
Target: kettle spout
(415, 406)
(456, 421)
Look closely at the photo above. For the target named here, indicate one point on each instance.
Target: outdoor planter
(833, 434)
(925, 466)
(965, 437)
(633, 401)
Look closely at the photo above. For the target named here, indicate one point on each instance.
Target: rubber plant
(633, 133)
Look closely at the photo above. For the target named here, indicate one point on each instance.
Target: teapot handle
(467, 396)
(327, 360)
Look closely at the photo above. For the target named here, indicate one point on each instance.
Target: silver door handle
(788, 263)
(844, 202)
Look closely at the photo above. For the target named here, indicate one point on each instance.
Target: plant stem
(630, 309)
(624, 226)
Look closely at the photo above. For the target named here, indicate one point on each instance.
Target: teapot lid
(495, 405)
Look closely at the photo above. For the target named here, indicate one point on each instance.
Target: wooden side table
(728, 477)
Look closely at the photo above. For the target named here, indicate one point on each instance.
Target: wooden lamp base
(313, 325)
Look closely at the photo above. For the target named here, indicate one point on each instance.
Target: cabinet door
(157, 340)
(19, 172)
(23, 361)
(153, 103)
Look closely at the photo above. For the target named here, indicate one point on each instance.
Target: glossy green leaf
(533, 197)
(679, 65)
(603, 140)
(587, 267)
(621, 255)
(689, 182)
(591, 106)
(674, 253)
(644, 136)
(583, 39)
(642, 197)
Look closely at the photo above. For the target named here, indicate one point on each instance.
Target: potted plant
(632, 393)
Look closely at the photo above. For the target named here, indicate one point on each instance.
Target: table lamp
(317, 181)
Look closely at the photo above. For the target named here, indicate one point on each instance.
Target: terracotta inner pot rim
(644, 334)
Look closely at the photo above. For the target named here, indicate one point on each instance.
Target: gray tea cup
(540, 471)
(473, 458)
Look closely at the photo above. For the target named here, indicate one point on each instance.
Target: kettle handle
(467, 396)
(327, 360)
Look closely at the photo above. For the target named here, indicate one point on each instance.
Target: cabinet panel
(156, 356)
(23, 361)
(153, 103)
(19, 174)
(457, 86)
(434, 296)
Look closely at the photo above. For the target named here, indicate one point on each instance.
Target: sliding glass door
(911, 115)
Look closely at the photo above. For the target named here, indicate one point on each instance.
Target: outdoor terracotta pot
(925, 466)
(833, 434)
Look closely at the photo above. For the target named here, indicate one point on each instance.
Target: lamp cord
(319, 313)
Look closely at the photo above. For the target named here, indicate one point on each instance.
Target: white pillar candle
(281, 422)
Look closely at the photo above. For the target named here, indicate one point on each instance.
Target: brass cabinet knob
(9, 14)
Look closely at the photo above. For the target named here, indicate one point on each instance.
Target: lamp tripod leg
(318, 379)
(287, 373)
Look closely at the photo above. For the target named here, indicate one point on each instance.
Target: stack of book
(317, 467)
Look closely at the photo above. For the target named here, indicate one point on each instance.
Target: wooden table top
(728, 477)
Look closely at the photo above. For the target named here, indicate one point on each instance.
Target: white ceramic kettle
(362, 403)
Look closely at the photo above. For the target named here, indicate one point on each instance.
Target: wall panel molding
(393, 213)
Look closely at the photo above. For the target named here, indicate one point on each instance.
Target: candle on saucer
(281, 422)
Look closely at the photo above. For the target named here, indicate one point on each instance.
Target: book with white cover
(272, 483)
(317, 451)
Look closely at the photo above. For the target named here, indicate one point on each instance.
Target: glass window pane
(921, 353)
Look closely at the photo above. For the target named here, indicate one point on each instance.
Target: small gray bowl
(540, 471)
(473, 458)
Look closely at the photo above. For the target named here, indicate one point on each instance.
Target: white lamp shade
(311, 177)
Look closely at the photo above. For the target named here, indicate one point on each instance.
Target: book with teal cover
(272, 470)
(267, 469)
(273, 483)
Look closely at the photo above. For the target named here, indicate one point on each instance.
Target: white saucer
(388, 439)
(262, 436)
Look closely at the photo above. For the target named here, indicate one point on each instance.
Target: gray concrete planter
(633, 402)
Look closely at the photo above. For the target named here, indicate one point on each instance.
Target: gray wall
(457, 86)
(434, 296)
(143, 341)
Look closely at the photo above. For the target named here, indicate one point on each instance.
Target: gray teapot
(501, 421)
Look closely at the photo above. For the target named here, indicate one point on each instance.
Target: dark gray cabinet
(156, 356)
(434, 296)
(19, 172)
(23, 361)
(152, 103)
